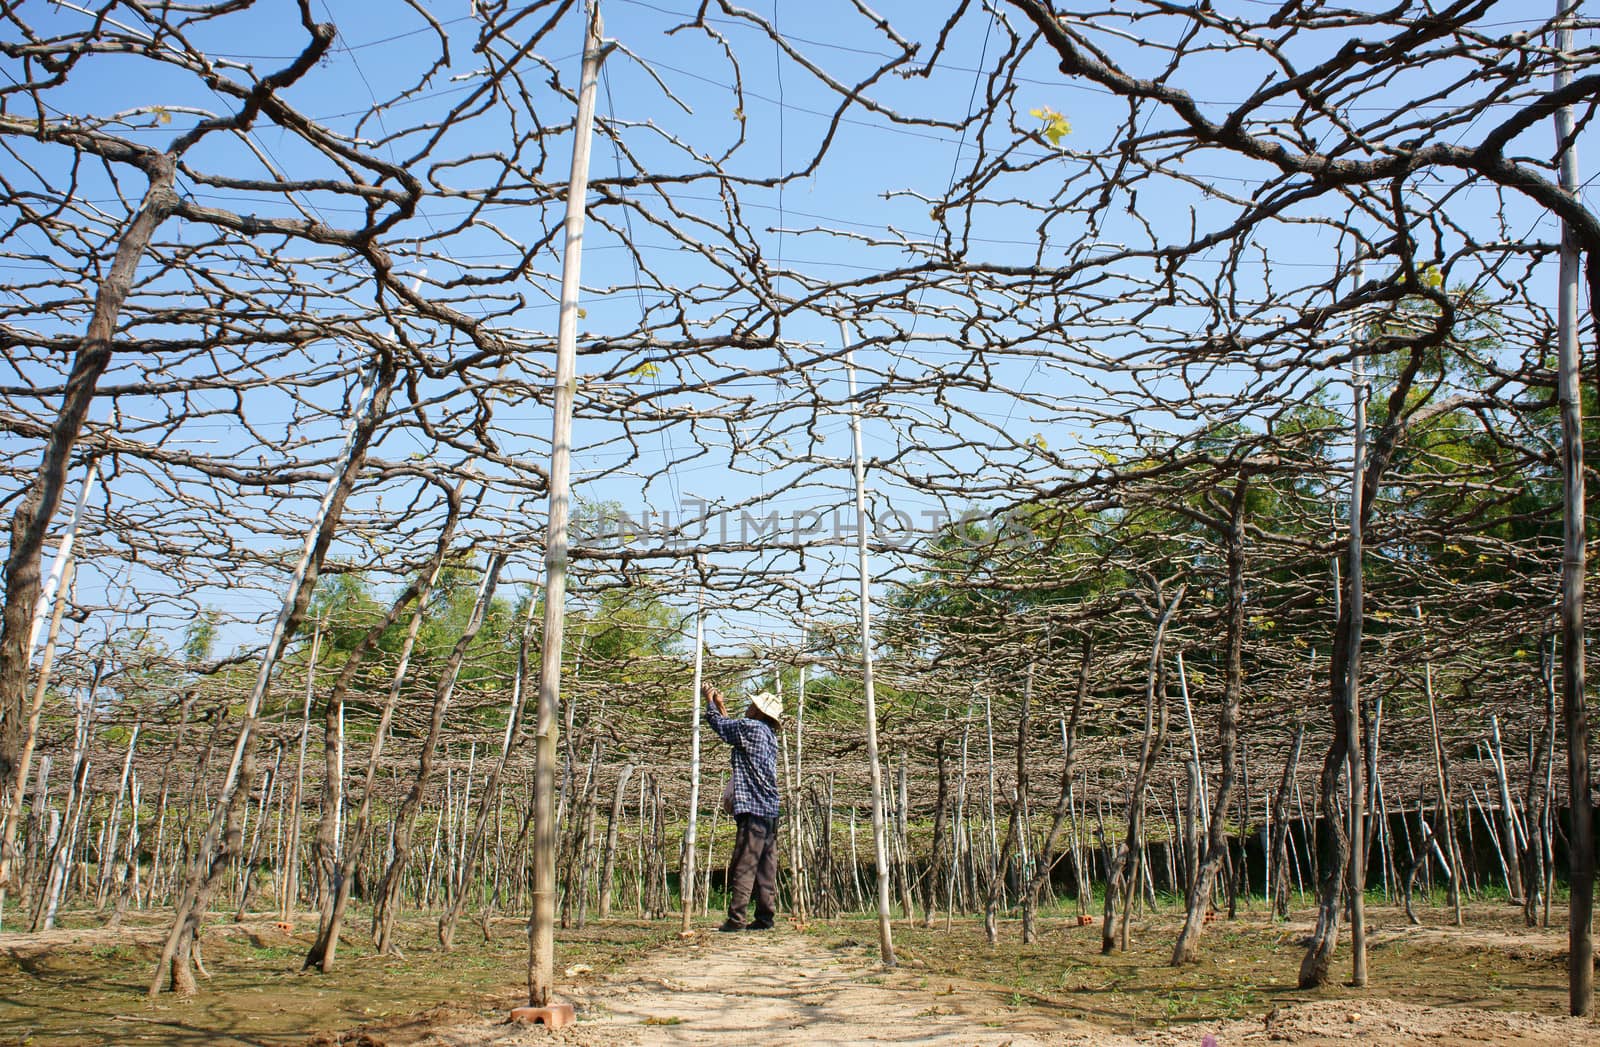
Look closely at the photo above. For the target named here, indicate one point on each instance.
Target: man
(754, 741)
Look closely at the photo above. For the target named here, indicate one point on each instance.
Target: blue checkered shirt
(755, 762)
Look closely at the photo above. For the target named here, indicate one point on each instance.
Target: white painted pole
(690, 834)
(1194, 748)
(880, 850)
(58, 567)
(800, 726)
(338, 793)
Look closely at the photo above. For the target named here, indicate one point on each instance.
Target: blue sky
(846, 221)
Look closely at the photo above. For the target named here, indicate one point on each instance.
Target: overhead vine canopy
(1111, 279)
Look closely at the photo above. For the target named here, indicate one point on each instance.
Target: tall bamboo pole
(541, 942)
(1580, 928)
(686, 879)
(885, 934)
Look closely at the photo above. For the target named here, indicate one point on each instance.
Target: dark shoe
(730, 925)
(759, 926)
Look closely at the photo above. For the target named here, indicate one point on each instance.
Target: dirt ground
(1500, 984)
(84, 984)
(1493, 982)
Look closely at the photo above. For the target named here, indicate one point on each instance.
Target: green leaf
(1056, 127)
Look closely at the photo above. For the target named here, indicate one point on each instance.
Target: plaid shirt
(755, 762)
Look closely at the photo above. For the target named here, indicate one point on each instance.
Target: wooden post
(387, 902)
(59, 860)
(902, 842)
(1124, 871)
(291, 889)
(958, 824)
(58, 579)
(994, 828)
(1278, 890)
(1194, 747)
(30, 736)
(128, 871)
(1352, 688)
(114, 824)
(1508, 816)
(797, 833)
(50, 597)
(608, 863)
(1539, 799)
(1580, 850)
(711, 844)
(1447, 826)
(491, 797)
(541, 942)
(458, 846)
(885, 935)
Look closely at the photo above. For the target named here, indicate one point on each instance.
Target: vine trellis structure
(1259, 407)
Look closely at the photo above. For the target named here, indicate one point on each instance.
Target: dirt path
(782, 988)
(788, 988)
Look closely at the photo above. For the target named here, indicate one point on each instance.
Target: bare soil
(1493, 982)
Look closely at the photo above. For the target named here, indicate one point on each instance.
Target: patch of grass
(273, 952)
(112, 952)
(88, 992)
(1245, 967)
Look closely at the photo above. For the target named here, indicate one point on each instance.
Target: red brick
(555, 1016)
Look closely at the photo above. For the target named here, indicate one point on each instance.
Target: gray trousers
(754, 868)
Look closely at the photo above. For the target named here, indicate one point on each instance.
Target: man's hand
(714, 696)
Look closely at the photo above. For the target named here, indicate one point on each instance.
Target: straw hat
(770, 705)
